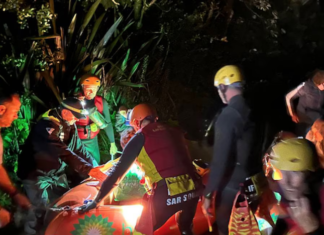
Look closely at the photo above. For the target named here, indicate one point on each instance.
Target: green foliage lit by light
(43, 17)
(130, 187)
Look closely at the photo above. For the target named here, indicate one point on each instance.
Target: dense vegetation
(162, 51)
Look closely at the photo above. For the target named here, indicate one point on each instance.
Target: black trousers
(166, 206)
(224, 204)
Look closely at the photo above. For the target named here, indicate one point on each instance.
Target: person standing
(235, 140)
(99, 118)
(310, 104)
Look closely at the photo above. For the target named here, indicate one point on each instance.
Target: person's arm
(223, 144)
(126, 160)
(109, 129)
(297, 92)
(54, 146)
(7, 186)
(5, 182)
(81, 150)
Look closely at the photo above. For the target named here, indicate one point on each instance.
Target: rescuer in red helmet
(99, 117)
(161, 152)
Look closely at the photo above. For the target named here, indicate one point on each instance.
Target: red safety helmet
(141, 112)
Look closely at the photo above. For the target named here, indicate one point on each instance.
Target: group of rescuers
(67, 137)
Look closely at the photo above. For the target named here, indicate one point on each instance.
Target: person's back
(165, 146)
(174, 186)
(236, 154)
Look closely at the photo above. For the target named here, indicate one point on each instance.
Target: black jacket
(51, 142)
(235, 140)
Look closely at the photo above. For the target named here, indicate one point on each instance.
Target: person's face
(123, 113)
(321, 86)
(90, 91)
(9, 111)
(293, 184)
(68, 116)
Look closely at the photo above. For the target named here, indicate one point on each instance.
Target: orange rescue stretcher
(110, 217)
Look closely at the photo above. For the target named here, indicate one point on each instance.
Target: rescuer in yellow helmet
(292, 162)
(99, 117)
(235, 147)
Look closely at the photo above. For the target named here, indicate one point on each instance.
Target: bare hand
(22, 201)
(295, 118)
(301, 213)
(206, 206)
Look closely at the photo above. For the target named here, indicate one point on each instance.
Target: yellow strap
(82, 111)
(51, 118)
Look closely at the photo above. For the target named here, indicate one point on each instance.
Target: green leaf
(71, 29)
(148, 43)
(74, 7)
(43, 185)
(108, 35)
(88, 67)
(88, 16)
(124, 64)
(135, 67)
(113, 44)
(129, 84)
(95, 28)
(34, 97)
(45, 195)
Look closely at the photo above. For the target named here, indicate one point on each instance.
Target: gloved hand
(87, 207)
(113, 149)
(4, 217)
(22, 201)
(97, 173)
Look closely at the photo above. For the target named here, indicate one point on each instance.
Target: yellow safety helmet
(293, 155)
(89, 79)
(228, 75)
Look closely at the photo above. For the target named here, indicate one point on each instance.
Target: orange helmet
(142, 111)
(89, 79)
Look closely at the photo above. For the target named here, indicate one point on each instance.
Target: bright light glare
(136, 170)
(131, 214)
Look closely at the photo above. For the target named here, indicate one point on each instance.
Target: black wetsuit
(234, 158)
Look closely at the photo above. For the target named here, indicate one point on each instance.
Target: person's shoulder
(228, 115)
(45, 125)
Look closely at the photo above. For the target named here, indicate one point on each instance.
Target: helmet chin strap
(222, 93)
